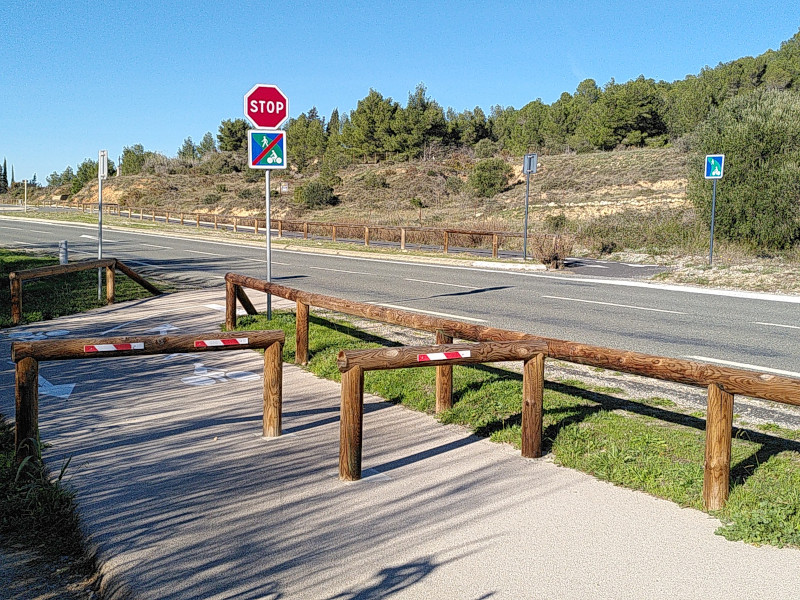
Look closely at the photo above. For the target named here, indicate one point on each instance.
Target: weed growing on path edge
(648, 445)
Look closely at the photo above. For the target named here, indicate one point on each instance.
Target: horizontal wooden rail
(110, 264)
(721, 383)
(28, 355)
(353, 364)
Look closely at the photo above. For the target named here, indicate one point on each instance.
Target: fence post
(197, 220)
(280, 227)
(141, 213)
(402, 238)
(444, 379)
(166, 219)
(366, 236)
(305, 230)
(110, 285)
(16, 299)
(273, 378)
(717, 468)
(255, 226)
(235, 225)
(230, 305)
(446, 241)
(27, 407)
(301, 334)
(494, 245)
(215, 222)
(181, 218)
(333, 233)
(532, 406)
(351, 424)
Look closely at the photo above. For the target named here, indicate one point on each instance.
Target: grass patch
(645, 444)
(59, 295)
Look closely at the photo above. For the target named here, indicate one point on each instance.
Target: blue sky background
(77, 77)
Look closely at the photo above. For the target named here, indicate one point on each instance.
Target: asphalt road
(616, 310)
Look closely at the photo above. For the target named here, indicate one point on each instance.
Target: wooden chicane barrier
(722, 383)
(110, 264)
(28, 355)
(353, 364)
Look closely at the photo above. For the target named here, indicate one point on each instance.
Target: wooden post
(197, 220)
(444, 379)
(280, 227)
(333, 233)
(27, 408)
(532, 406)
(16, 299)
(235, 225)
(137, 278)
(255, 226)
(351, 424)
(495, 245)
(402, 238)
(366, 236)
(230, 305)
(301, 334)
(215, 222)
(245, 301)
(110, 287)
(273, 387)
(181, 218)
(305, 230)
(719, 425)
(141, 213)
(446, 241)
(166, 218)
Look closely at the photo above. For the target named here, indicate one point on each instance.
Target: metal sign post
(25, 183)
(715, 165)
(528, 167)
(266, 106)
(102, 173)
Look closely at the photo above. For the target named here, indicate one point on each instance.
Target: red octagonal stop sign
(266, 106)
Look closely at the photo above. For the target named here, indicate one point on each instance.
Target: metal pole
(525, 231)
(713, 216)
(99, 234)
(25, 181)
(269, 244)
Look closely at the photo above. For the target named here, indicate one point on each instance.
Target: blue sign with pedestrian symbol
(715, 164)
(266, 149)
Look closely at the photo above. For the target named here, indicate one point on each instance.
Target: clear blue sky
(77, 77)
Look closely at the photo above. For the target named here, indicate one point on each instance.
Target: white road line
(776, 325)
(730, 363)
(38, 231)
(21, 243)
(264, 261)
(105, 240)
(466, 287)
(593, 267)
(156, 246)
(7, 227)
(340, 271)
(429, 312)
(672, 312)
(206, 253)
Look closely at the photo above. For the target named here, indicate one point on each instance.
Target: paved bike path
(183, 499)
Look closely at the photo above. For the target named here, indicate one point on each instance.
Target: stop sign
(266, 106)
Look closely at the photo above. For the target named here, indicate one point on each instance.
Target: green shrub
(555, 223)
(374, 181)
(314, 194)
(758, 200)
(486, 148)
(454, 185)
(211, 198)
(489, 177)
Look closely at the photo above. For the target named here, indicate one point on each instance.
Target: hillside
(581, 187)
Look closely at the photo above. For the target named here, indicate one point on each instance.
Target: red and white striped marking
(225, 342)
(443, 355)
(114, 347)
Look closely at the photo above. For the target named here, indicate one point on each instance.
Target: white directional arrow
(59, 391)
(163, 329)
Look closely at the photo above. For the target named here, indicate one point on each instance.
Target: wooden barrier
(353, 364)
(110, 264)
(28, 355)
(721, 382)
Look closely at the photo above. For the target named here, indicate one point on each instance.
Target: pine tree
(4, 178)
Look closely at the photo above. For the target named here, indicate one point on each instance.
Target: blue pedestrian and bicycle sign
(715, 164)
(266, 149)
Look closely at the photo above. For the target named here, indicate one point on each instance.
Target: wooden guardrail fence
(334, 231)
(353, 363)
(28, 355)
(721, 383)
(110, 264)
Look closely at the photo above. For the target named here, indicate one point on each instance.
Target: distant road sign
(266, 106)
(266, 149)
(530, 163)
(715, 164)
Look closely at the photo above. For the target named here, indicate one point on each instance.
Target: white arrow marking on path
(163, 329)
(59, 391)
